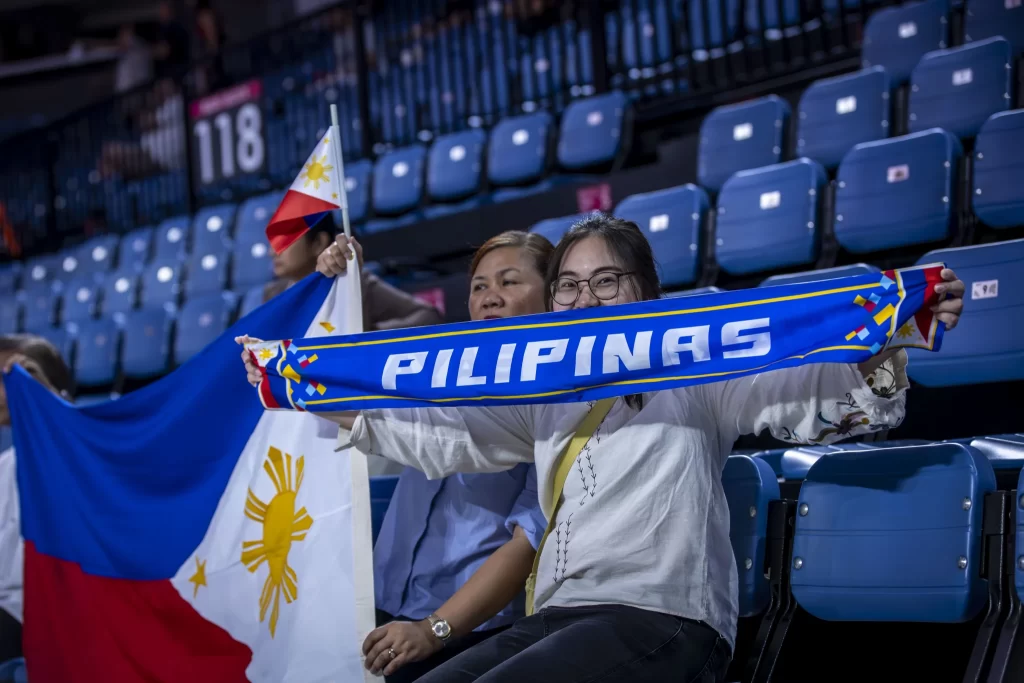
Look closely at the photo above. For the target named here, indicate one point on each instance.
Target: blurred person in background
(172, 46)
(42, 361)
(135, 66)
(384, 307)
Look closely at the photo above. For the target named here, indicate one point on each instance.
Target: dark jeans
(10, 637)
(610, 644)
(413, 671)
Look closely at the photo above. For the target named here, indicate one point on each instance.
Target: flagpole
(342, 195)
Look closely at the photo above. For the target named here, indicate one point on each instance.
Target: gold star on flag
(199, 578)
(266, 354)
(334, 195)
(327, 140)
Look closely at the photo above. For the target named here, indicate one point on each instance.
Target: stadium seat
(201, 320)
(897, 192)
(793, 463)
(381, 490)
(741, 137)
(879, 532)
(251, 300)
(693, 292)
(41, 269)
(80, 300)
(897, 37)
(207, 272)
(990, 18)
(818, 275)
(254, 215)
(838, 113)
(98, 346)
(251, 264)
(959, 88)
(40, 301)
(555, 228)
(672, 220)
(517, 152)
(750, 485)
(96, 257)
(212, 228)
(161, 284)
(120, 293)
(768, 217)
(989, 344)
(133, 252)
(63, 341)
(172, 239)
(591, 131)
(998, 197)
(146, 348)
(1004, 452)
(455, 165)
(358, 177)
(10, 273)
(10, 314)
(398, 180)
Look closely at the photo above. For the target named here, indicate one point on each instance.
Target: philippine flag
(183, 534)
(311, 197)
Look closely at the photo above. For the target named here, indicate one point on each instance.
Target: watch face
(441, 628)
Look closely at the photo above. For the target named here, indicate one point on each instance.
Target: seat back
(41, 269)
(1019, 571)
(517, 152)
(892, 534)
(146, 347)
(897, 192)
(10, 314)
(739, 137)
(672, 220)
(398, 180)
(40, 302)
(455, 165)
(212, 228)
(201, 320)
(207, 271)
(819, 275)
(693, 292)
(251, 264)
(838, 113)
(251, 300)
(80, 300)
(381, 490)
(99, 344)
(357, 188)
(161, 284)
(254, 214)
(171, 238)
(998, 197)
(96, 257)
(555, 228)
(134, 250)
(120, 293)
(989, 344)
(959, 88)
(750, 485)
(768, 217)
(990, 18)
(591, 131)
(897, 37)
(10, 274)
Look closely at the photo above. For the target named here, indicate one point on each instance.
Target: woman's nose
(586, 298)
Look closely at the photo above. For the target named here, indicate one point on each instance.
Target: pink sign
(226, 99)
(594, 198)
(432, 297)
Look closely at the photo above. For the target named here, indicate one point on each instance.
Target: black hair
(536, 245)
(44, 354)
(324, 226)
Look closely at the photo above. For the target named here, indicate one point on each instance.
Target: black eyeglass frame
(579, 286)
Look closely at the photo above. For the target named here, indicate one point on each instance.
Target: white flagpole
(343, 196)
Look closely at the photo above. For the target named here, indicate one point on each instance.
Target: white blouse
(12, 548)
(644, 521)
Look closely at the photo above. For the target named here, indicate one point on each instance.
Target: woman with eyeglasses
(637, 582)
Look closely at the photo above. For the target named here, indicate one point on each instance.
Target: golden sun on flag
(316, 171)
(266, 354)
(282, 524)
(906, 331)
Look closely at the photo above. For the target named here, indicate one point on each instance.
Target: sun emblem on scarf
(316, 171)
(282, 525)
(265, 354)
(906, 331)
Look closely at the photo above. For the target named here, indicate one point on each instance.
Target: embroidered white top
(12, 548)
(644, 521)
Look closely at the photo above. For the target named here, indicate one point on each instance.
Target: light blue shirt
(437, 533)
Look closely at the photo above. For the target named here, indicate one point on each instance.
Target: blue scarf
(595, 353)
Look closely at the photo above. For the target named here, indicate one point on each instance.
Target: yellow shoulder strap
(562, 469)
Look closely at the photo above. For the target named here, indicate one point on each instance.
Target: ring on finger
(391, 653)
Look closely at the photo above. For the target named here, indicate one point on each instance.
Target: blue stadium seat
(672, 220)
(40, 306)
(1019, 572)
(398, 180)
(750, 485)
(96, 256)
(998, 197)
(818, 275)
(1004, 452)
(838, 113)
(897, 37)
(693, 292)
(897, 192)
(212, 228)
(958, 89)
(200, 321)
(592, 130)
(554, 228)
(251, 300)
(80, 300)
(171, 238)
(517, 152)
(381, 490)
(768, 217)
(63, 341)
(99, 342)
(358, 176)
(990, 18)
(254, 215)
(10, 273)
(161, 284)
(793, 463)
(146, 349)
(207, 272)
(988, 346)
(455, 165)
(252, 264)
(134, 250)
(120, 293)
(10, 314)
(741, 137)
(41, 269)
(903, 505)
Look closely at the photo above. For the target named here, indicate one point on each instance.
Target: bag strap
(562, 468)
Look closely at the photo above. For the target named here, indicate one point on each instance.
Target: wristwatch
(440, 628)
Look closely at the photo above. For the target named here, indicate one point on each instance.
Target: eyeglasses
(565, 290)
